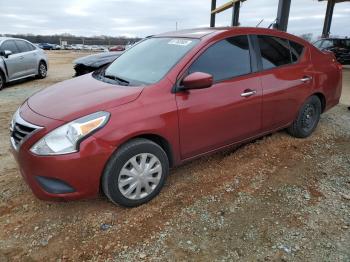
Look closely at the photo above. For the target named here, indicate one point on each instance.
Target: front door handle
(248, 93)
(21, 57)
(306, 79)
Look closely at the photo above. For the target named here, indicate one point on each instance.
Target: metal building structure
(283, 11)
(329, 15)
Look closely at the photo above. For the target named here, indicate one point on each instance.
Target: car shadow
(20, 81)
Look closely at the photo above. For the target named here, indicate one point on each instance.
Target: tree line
(72, 39)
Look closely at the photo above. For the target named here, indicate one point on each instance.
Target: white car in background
(20, 59)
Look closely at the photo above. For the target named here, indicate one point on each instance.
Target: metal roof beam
(235, 13)
(224, 6)
(212, 15)
(328, 18)
(283, 15)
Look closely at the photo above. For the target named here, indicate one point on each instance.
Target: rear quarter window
(274, 51)
(296, 50)
(23, 46)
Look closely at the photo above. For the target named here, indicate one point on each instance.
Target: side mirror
(197, 80)
(6, 53)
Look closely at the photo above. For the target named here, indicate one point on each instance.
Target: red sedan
(117, 48)
(169, 99)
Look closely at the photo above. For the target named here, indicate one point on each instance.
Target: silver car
(20, 59)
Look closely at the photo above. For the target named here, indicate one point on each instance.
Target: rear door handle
(248, 93)
(306, 79)
(21, 57)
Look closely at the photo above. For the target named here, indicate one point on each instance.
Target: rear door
(28, 57)
(286, 78)
(217, 116)
(14, 66)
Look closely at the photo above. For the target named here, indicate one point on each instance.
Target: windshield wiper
(118, 79)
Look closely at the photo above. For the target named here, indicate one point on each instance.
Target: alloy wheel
(1, 83)
(43, 70)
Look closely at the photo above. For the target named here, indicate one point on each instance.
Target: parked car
(339, 46)
(46, 46)
(91, 63)
(56, 47)
(20, 59)
(117, 48)
(167, 100)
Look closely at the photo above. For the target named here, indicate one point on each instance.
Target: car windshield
(149, 61)
(318, 43)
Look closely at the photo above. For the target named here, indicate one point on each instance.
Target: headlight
(66, 139)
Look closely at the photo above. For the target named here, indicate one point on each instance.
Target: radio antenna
(259, 22)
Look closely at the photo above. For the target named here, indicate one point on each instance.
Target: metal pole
(235, 14)
(328, 19)
(283, 15)
(212, 16)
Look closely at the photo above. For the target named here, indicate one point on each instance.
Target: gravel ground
(276, 199)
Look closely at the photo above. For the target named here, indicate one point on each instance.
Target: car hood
(80, 96)
(98, 59)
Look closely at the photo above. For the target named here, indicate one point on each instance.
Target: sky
(140, 18)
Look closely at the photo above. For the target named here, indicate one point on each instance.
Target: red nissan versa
(169, 99)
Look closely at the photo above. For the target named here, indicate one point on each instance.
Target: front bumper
(69, 177)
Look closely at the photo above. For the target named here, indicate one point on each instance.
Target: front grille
(20, 130)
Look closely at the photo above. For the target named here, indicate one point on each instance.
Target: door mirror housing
(6, 53)
(197, 80)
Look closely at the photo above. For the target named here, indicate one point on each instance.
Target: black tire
(308, 118)
(2, 81)
(120, 158)
(42, 73)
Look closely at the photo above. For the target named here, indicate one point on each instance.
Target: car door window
(318, 44)
(30, 47)
(274, 51)
(296, 50)
(224, 60)
(22, 46)
(347, 43)
(327, 44)
(9, 45)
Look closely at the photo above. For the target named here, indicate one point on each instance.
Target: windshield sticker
(181, 42)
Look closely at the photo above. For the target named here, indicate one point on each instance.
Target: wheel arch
(42, 60)
(159, 140)
(322, 98)
(3, 73)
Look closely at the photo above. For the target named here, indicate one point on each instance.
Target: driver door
(222, 114)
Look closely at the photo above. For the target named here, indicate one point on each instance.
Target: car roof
(334, 38)
(3, 38)
(193, 33)
(211, 31)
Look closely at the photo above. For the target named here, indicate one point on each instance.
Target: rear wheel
(42, 70)
(2, 81)
(135, 173)
(308, 118)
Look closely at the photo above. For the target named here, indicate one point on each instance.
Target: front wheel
(2, 81)
(42, 70)
(308, 118)
(135, 173)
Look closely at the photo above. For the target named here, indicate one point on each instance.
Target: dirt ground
(276, 199)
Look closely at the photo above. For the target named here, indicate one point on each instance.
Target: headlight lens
(66, 139)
